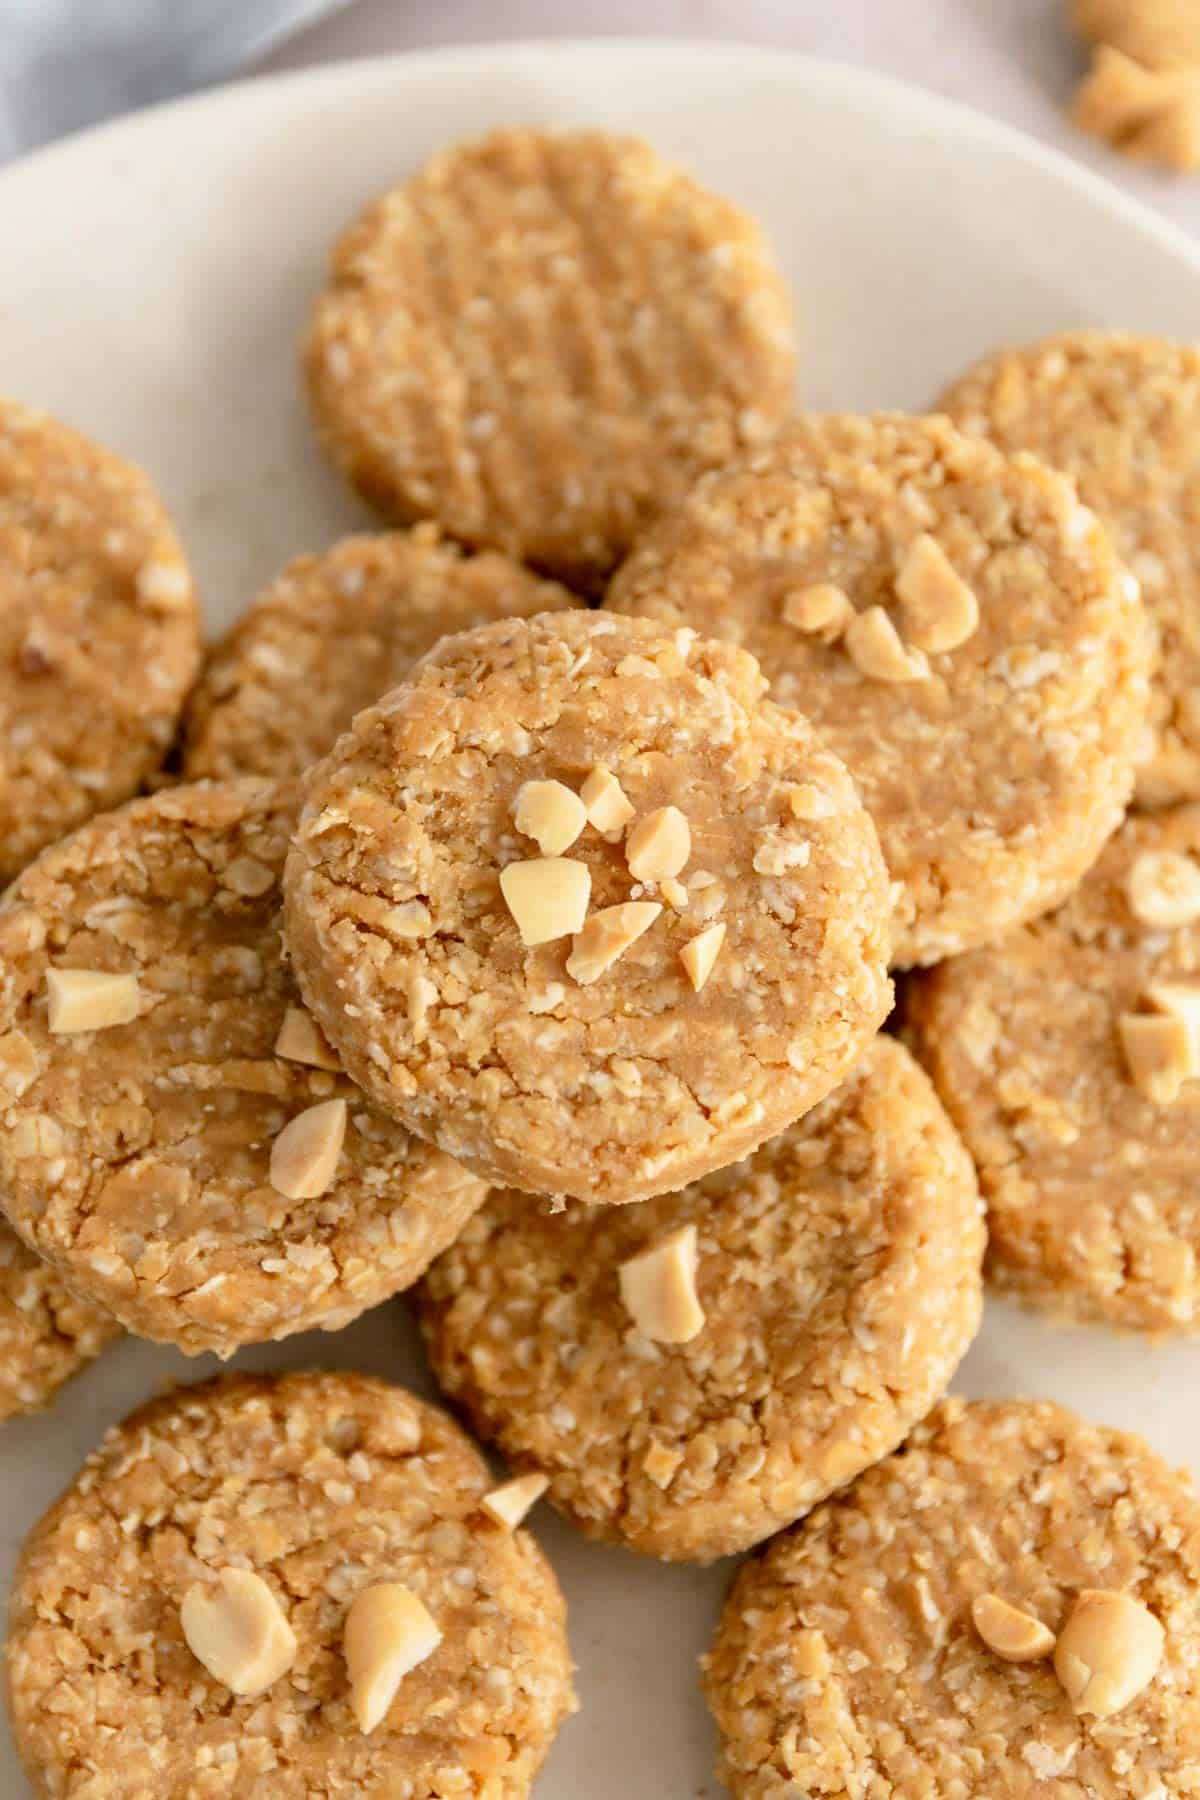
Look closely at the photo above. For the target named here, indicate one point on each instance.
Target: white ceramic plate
(156, 274)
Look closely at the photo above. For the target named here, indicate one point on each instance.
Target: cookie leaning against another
(46, 1334)
(315, 1490)
(540, 338)
(577, 905)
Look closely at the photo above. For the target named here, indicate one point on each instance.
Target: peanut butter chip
(304, 1157)
(1012, 1634)
(1160, 1052)
(699, 956)
(824, 609)
(549, 813)
(659, 845)
(606, 936)
(302, 1040)
(238, 1631)
(89, 999)
(547, 897)
(509, 1503)
(388, 1632)
(1164, 889)
(658, 1288)
(608, 807)
(1107, 1652)
(874, 647)
(940, 610)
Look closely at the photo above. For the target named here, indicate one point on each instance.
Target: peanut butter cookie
(540, 338)
(46, 1334)
(175, 1134)
(574, 904)
(958, 629)
(287, 1587)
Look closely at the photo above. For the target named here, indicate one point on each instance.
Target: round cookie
(46, 1334)
(139, 1159)
(323, 1486)
(540, 338)
(994, 767)
(1121, 416)
(847, 1661)
(1090, 1182)
(330, 635)
(839, 1278)
(545, 1067)
(99, 631)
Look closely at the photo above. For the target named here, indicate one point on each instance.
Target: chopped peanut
(304, 1157)
(1164, 889)
(547, 897)
(549, 813)
(658, 1288)
(699, 956)
(823, 609)
(509, 1503)
(1107, 1652)
(89, 1000)
(659, 845)
(608, 808)
(302, 1040)
(1160, 1052)
(238, 1631)
(606, 936)
(1014, 1635)
(388, 1632)
(874, 646)
(940, 610)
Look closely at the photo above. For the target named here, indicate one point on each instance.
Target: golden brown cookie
(1161, 34)
(540, 338)
(1121, 416)
(99, 631)
(1085, 1142)
(576, 906)
(1150, 115)
(205, 1180)
(46, 1334)
(330, 635)
(838, 1282)
(849, 1660)
(954, 624)
(320, 1488)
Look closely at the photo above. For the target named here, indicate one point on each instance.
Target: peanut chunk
(89, 999)
(549, 813)
(606, 936)
(874, 646)
(547, 897)
(302, 1040)
(304, 1157)
(1179, 1000)
(1159, 1053)
(510, 1502)
(1164, 889)
(239, 1631)
(659, 845)
(1012, 1634)
(1108, 1651)
(940, 610)
(658, 1288)
(823, 609)
(609, 809)
(388, 1632)
(699, 956)
(1150, 115)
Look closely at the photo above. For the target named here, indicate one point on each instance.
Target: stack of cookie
(536, 953)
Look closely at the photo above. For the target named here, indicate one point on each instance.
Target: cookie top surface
(540, 338)
(1121, 415)
(46, 1334)
(1090, 1182)
(322, 1485)
(847, 1661)
(994, 769)
(138, 1158)
(609, 1083)
(331, 634)
(99, 631)
(839, 1278)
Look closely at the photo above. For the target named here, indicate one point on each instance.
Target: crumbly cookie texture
(46, 1334)
(322, 1486)
(330, 635)
(541, 338)
(838, 1272)
(1089, 1179)
(1121, 416)
(99, 631)
(994, 769)
(847, 1661)
(430, 940)
(140, 1159)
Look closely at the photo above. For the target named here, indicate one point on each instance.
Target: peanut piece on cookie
(388, 1632)
(1160, 1054)
(238, 1631)
(1011, 1634)
(89, 1000)
(658, 1288)
(1179, 1000)
(549, 813)
(606, 936)
(874, 647)
(547, 897)
(508, 1504)
(824, 609)
(304, 1157)
(940, 610)
(1164, 889)
(302, 1040)
(659, 845)
(1107, 1652)
(699, 956)
(608, 807)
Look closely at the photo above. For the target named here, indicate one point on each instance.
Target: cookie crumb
(239, 1631)
(304, 1157)
(509, 1504)
(89, 1000)
(699, 956)
(658, 1288)
(389, 1631)
(547, 897)
(1108, 1651)
(606, 936)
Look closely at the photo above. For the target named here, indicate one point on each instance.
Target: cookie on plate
(1068, 1055)
(956, 627)
(175, 1134)
(1007, 1606)
(210, 1610)
(540, 338)
(99, 631)
(331, 634)
(576, 905)
(833, 1283)
(46, 1334)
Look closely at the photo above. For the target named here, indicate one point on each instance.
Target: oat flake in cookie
(175, 1166)
(955, 625)
(99, 631)
(848, 1661)
(321, 1486)
(540, 338)
(331, 634)
(838, 1278)
(1068, 1055)
(465, 920)
(46, 1334)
